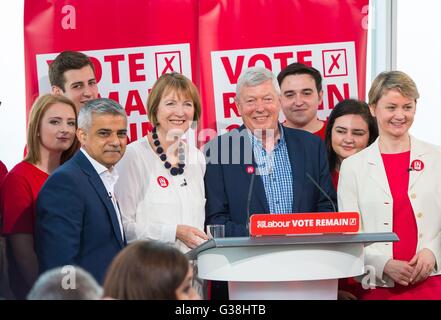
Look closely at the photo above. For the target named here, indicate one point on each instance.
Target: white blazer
(363, 187)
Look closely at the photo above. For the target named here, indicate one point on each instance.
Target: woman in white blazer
(395, 184)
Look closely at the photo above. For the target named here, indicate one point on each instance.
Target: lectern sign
(304, 223)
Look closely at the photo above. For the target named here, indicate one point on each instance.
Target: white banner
(335, 61)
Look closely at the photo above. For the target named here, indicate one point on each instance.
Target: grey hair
(254, 76)
(99, 106)
(52, 285)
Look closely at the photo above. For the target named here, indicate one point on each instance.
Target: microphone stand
(250, 194)
(321, 190)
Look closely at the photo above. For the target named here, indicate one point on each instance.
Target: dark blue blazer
(227, 181)
(76, 222)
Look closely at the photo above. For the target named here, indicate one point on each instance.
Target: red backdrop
(211, 41)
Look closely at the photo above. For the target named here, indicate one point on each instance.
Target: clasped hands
(411, 272)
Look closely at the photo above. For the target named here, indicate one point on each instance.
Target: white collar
(99, 168)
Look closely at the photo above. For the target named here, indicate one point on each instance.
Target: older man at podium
(263, 167)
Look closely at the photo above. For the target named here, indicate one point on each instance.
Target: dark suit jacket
(76, 221)
(227, 184)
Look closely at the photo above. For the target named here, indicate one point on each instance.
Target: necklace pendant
(175, 171)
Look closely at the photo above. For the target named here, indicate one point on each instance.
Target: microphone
(322, 191)
(250, 194)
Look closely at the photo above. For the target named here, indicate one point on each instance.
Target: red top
(321, 133)
(404, 225)
(334, 177)
(18, 198)
(3, 171)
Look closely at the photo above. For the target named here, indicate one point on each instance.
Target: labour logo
(250, 169)
(417, 165)
(162, 181)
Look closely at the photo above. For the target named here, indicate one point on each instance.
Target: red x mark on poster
(335, 63)
(167, 62)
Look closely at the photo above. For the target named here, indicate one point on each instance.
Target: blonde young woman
(395, 184)
(51, 141)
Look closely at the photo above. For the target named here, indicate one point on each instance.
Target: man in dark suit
(78, 218)
(263, 167)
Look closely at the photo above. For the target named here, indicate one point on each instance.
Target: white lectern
(284, 267)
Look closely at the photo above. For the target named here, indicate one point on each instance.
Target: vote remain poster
(132, 43)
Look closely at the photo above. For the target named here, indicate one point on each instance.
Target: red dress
(18, 197)
(404, 225)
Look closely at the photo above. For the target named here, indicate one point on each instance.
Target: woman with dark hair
(150, 270)
(350, 129)
(51, 141)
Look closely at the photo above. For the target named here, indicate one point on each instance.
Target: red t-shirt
(404, 225)
(18, 198)
(3, 171)
(321, 133)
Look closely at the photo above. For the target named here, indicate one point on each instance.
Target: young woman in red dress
(395, 185)
(51, 141)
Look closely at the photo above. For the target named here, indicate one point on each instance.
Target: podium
(293, 267)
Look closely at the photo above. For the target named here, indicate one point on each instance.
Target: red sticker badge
(162, 181)
(250, 169)
(417, 165)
